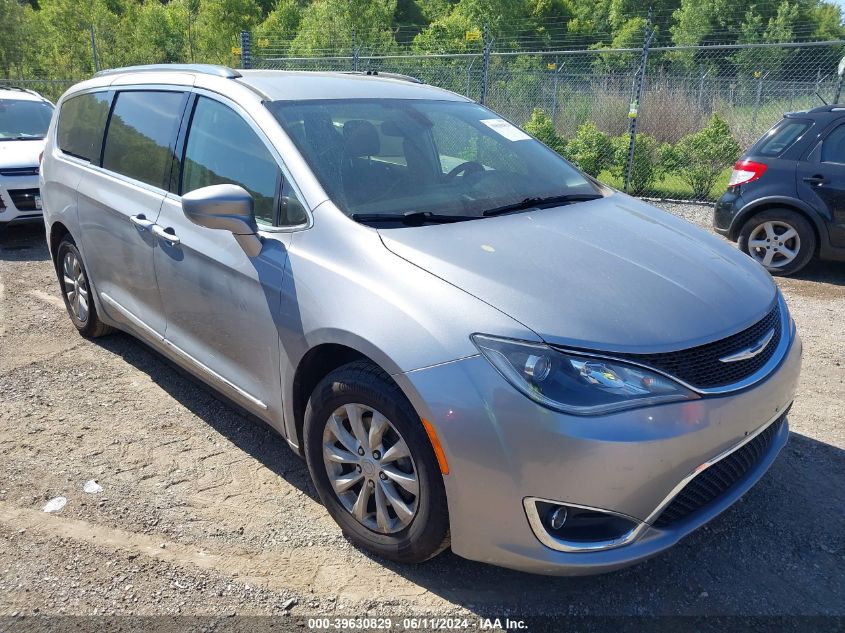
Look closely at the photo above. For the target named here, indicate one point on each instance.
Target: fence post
(635, 100)
(558, 68)
(354, 50)
(485, 70)
(246, 57)
(757, 102)
(94, 55)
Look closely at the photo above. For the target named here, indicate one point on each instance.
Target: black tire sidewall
(365, 384)
(797, 221)
(90, 323)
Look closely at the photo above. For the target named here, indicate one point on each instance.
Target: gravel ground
(205, 511)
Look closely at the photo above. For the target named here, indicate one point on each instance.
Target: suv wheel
(76, 291)
(373, 465)
(781, 240)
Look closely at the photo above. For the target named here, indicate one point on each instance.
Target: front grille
(24, 199)
(19, 171)
(719, 478)
(700, 366)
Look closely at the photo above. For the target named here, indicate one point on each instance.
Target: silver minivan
(470, 341)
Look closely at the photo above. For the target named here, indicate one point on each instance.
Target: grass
(673, 186)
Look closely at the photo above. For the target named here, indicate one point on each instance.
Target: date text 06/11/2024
(423, 623)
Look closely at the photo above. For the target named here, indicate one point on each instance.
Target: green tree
(541, 127)
(755, 30)
(12, 19)
(590, 149)
(327, 25)
(218, 26)
(282, 23)
(701, 157)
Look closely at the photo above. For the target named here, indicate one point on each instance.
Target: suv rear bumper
(725, 213)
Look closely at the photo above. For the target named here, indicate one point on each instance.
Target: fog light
(557, 517)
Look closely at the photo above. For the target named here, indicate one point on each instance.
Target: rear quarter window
(781, 137)
(82, 120)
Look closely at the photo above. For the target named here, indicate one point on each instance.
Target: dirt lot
(205, 511)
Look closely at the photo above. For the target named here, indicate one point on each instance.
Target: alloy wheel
(371, 468)
(774, 244)
(75, 286)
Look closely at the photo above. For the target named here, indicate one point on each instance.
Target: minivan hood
(20, 153)
(614, 274)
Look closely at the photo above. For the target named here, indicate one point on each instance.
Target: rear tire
(782, 241)
(391, 531)
(77, 292)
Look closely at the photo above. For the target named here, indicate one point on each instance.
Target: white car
(24, 119)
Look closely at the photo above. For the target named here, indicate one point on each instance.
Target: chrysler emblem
(750, 352)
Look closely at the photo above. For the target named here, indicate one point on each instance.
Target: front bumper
(502, 449)
(19, 199)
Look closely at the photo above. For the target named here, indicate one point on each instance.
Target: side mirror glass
(224, 207)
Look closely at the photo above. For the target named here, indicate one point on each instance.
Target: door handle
(141, 222)
(816, 180)
(162, 233)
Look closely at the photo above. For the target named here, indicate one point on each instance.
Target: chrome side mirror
(225, 207)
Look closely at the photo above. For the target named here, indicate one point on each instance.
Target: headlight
(572, 383)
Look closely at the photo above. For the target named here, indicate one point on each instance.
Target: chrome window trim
(779, 354)
(560, 545)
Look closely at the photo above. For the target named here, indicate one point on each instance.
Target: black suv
(785, 201)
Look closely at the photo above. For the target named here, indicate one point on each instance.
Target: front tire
(373, 465)
(77, 292)
(782, 241)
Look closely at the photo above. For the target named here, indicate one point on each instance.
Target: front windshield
(398, 157)
(24, 120)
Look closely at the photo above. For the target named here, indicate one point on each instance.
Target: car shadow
(780, 550)
(23, 242)
(822, 272)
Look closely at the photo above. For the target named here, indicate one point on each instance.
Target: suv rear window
(780, 137)
(82, 120)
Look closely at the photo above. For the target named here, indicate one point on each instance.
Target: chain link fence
(700, 107)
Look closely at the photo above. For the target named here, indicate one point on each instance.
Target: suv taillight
(746, 171)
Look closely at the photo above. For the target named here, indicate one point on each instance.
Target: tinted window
(22, 120)
(81, 123)
(223, 149)
(780, 137)
(833, 148)
(141, 135)
(394, 156)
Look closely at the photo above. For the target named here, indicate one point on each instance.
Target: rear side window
(223, 149)
(141, 135)
(833, 148)
(780, 137)
(81, 123)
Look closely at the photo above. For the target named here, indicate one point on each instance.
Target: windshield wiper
(412, 218)
(22, 138)
(530, 203)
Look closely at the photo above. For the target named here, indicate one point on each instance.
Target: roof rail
(376, 73)
(204, 69)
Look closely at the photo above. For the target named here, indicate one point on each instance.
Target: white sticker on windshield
(509, 131)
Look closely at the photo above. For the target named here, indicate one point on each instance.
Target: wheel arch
(790, 204)
(58, 231)
(315, 365)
